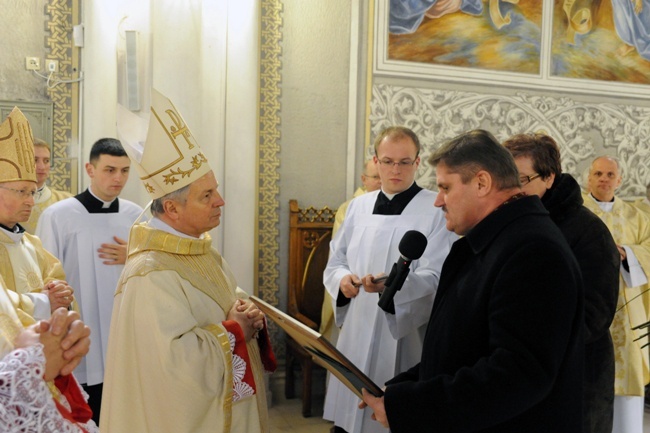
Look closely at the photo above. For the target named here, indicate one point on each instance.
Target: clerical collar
(93, 204)
(105, 204)
(395, 204)
(15, 234)
(388, 195)
(159, 224)
(39, 193)
(599, 201)
(16, 229)
(605, 206)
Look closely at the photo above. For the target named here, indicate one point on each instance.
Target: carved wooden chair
(309, 238)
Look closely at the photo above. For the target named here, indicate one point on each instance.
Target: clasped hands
(248, 316)
(350, 284)
(59, 293)
(65, 339)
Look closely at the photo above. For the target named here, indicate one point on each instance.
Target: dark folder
(322, 351)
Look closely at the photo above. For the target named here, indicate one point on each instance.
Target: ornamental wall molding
(267, 262)
(60, 17)
(583, 130)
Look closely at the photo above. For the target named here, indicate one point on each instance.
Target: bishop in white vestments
(182, 353)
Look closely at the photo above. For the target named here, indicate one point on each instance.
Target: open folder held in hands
(322, 351)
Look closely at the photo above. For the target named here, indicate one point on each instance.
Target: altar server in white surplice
(88, 234)
(380, 343)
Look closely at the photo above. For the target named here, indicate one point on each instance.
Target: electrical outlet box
(32, 63)
(52, 65)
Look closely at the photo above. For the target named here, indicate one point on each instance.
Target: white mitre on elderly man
(184, 295)
(171, 157)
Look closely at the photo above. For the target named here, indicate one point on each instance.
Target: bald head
(370, 177)
(604, 178)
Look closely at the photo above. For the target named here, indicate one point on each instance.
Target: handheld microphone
(411, 247)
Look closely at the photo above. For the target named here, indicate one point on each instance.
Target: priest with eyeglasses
(383, 344)
(35, 278)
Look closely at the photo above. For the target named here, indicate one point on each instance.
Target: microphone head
(412, 245)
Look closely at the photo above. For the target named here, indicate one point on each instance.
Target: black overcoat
(599, 262)
(504, 349)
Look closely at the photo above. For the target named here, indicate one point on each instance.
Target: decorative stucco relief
(583, 130)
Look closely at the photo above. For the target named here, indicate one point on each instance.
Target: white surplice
(44, 198)
(381, 344)
(74, 235)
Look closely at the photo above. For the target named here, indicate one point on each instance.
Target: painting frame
(383, 66)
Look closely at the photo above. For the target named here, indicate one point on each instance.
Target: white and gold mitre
(170, 158)
(16, 149)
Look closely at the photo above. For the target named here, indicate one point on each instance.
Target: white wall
(23, 26)
(240, 157)
(314, 102)
(101, 21)
(314, 110)
(203, 56)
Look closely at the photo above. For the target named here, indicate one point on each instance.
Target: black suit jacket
(504, 346)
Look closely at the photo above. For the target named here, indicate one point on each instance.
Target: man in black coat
(537, 157)
(504, 349)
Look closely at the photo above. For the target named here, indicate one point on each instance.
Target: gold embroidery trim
(144, 238)
(258, 374)
(197, 162)
(222, 339)
(9, 329)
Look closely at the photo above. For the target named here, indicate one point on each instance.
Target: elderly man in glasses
(34, 277)
(537, 157)
(382, 343)
(370, 181)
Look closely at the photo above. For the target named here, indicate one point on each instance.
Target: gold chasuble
(26, 267)
(630, 228)
(171, 365)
